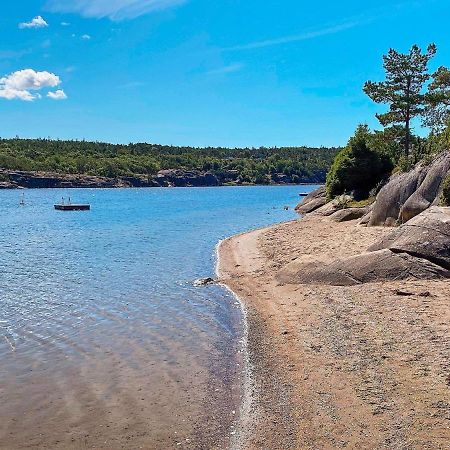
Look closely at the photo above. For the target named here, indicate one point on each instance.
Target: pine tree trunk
(408, 117)
(408, 135)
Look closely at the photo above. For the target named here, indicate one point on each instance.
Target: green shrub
(446, 192)
(404, 164)
(357, 168)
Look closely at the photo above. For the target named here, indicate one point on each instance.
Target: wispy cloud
(37, 22)
(226, 69)
(114, 9)
(307, 35)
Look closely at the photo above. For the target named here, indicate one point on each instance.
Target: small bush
(357, 168)
(446, 192)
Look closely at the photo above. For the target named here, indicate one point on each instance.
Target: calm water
(104, 342)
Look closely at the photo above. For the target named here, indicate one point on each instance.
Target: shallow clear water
(104, 340)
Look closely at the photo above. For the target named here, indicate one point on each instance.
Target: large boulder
(328, 209)
(335, 205)
(382, 265)
(312, 201)
(428, 192)
(408, 194)
(346, 214)
(425, 236)
(364, 221)
(393, 196)
(418, 249)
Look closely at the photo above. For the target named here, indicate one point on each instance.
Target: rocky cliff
(164, 178)
(10, 179)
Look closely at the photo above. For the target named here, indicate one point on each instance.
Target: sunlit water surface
(104, 341)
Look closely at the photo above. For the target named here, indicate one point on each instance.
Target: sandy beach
(365, 366)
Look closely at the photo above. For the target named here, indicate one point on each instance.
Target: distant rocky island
(43, 163)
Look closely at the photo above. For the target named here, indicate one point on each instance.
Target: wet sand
(113, 403)
(338, 367)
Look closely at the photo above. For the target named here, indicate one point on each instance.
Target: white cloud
(114, 9)
(37, 22)
(18, 85)
(57, 95)
(15, 94)
(86, 37)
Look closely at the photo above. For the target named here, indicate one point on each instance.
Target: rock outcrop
(40, 180)
(182, 178)
(408, 194)
(425, 236)
(403, 197)
(11, 179)
(346, 214)
(381, 265)
(164, 178)
(316, 202)
(312, 201)
(419, 249)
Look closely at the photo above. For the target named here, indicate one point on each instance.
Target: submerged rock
(204, 281)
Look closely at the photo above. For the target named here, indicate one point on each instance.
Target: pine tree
(406, 75)
(437, 113)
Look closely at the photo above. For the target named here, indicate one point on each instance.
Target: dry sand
(356, 367)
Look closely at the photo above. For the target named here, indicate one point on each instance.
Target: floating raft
(70, 207)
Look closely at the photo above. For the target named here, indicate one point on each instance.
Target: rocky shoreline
(12, 179)
(348, 319)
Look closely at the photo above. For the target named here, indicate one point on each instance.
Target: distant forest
(250, 165)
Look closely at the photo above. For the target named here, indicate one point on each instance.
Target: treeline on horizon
(253, 165)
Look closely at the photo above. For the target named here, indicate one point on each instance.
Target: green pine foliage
(248, 165)
(446, 192)
(357, 168)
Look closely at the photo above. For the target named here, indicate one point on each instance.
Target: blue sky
(202, 72)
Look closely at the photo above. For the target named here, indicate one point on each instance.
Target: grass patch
(361, 203)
